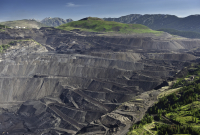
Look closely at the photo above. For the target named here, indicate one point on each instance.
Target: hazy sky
(77, 9)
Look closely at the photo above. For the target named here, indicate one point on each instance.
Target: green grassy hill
(24, 23)
(187, 34)
(93, 24)
(177, 112)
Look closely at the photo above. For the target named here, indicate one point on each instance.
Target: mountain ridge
(160, 21)
(54, 22)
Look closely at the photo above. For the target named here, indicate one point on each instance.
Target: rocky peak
(54, 22)
(69, 20)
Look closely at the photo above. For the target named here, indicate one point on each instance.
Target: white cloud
(72, 5)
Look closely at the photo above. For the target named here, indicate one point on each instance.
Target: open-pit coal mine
(56, 82)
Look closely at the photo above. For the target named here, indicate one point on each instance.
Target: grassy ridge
(99, 25)
(175, 113)
(187, 34)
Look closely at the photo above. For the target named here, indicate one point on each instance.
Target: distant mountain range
(32, 23)
(54, 22)
(25, 23)
(162, 21)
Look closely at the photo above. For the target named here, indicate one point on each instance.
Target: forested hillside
(177, 111)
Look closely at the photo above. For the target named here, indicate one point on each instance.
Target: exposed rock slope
(54, 22)
(71, 82)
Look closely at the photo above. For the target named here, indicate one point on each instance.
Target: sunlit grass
(184, 114)
(99, 25)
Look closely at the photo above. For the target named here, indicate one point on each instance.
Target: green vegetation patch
(4, 47)
(188, 114)
(178, 112)
(3, 26)
(143, 130)
(99, 25)
(179, 83)
(168, 92)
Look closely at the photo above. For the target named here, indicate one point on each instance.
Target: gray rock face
(73, 82)
(54, 22)
(69, 20)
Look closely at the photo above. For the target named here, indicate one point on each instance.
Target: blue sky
(78, 9)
